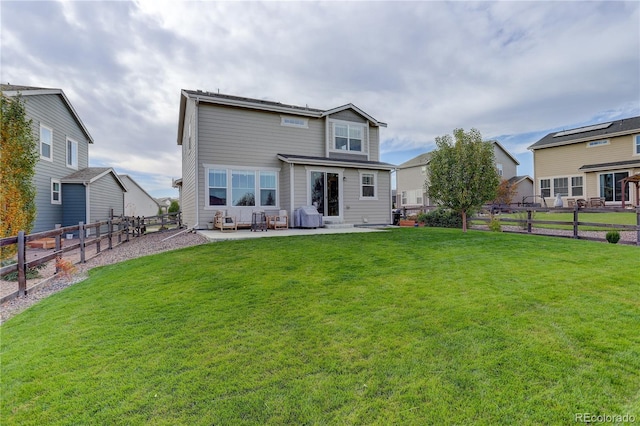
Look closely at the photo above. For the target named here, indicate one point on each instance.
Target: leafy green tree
(462, 174)
(174, 207)
(18, 158)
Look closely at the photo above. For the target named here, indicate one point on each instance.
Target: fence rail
(115, 231)
(575, 224)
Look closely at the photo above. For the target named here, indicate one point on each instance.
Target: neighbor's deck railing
(529, 222)
(115, 231)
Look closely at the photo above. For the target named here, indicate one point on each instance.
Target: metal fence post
(22, 268)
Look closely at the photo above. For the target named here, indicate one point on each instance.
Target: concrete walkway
(241, 234)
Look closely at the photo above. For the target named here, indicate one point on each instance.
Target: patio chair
(224, 222)
(281, 221)
(581, 202)
(571, 202)
(596, 202)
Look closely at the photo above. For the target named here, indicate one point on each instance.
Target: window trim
(636, 145)
(229, 188)
(364, 141)
(291, 121)
(552, 190)
(373, 173)
(71, 142)
(50, 158)
(53, 191)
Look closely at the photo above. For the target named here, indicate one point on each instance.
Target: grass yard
(614, 218)
(412, 326)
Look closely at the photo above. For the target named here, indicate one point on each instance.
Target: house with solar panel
(591, 166)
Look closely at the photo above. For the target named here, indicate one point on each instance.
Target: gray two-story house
(67, 190)
(241, 155)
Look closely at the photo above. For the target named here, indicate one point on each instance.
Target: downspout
(197, 165)
(292, 191)
(392, 171)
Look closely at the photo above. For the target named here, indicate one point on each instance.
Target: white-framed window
(636, 145)
(368, 185)
(348, 137)
(499, 168)
(545, 188)
(403, 199)
(597, 143)
(217, 187)
(577, 189)
(56, 191)
(289, 121)
(235, 186)
(72, 154)
(46, 143)
(560, 186)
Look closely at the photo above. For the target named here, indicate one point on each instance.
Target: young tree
(462, 174)
(505, 193)
(18, 158)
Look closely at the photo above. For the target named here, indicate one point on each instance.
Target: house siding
(566, 161)
(51, 111)
(410, 179)
(189, 152)
(105, 196)
(509, 168)
(136, 201)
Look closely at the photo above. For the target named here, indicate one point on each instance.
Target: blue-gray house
(63, 145)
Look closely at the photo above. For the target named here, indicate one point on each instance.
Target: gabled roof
(92, 174)
(420, 160)
(517, 179)
(128, 180)
(323, 161)
(499, 145)
(13, 90)
(262, 105)
(589, 133)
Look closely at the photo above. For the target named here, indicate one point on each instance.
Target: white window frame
(71, 144)
(500, 170)
(572, 186)
(374, 174)
(636, 145)
(549, 188)
(229, 175)
(53, 191)
(292, 121)
(364, 142)
(50, 143)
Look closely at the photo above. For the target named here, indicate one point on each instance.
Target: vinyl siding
(509, 168)
(136, 201)
(188, 192)
(410, 179)
(566, 160)
(105, 194)
(50, 111)
(373, 211)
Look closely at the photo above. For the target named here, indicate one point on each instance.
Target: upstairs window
(499, 168)
(348, 137)
(72, 154)
(46, 143)
(636, 146)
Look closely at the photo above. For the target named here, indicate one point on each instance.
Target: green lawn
(412, 326)
(614, 218)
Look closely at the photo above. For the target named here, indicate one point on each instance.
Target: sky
(514, 70)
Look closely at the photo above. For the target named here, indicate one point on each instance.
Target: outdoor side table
(258, 221)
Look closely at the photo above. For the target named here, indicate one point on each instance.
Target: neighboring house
(411, 176)
(165, 203)
(137, 201)
(243, 155)
(92, 194)
(588, 162)
(63, 145)
(67, 190)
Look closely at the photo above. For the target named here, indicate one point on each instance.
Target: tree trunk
(464, 221)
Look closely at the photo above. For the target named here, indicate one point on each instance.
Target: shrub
(443, 218)
(31, 273)
(174, 208)
(421, 218)
(613, 237)
(494, 224)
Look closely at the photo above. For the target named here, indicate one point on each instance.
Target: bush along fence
(527, 220)
(115, 231)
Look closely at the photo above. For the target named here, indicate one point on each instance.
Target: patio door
(325, 192)
(611, 186)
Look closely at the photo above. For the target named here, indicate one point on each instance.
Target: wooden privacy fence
(115, 231)
(529, 222)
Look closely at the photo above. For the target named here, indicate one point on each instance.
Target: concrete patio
(241, 234)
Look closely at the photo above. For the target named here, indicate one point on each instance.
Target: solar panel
(583, 129)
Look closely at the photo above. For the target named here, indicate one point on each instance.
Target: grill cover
(307, 217)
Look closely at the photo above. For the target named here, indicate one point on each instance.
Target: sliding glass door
(611, 187)
(325, 192)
